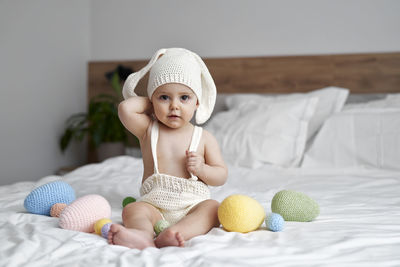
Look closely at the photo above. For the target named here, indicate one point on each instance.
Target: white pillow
(357, 138)
(330, 100)
(264, 132)
(390, 101)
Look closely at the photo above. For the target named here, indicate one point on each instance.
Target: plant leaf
(116, 84)
(65, 139)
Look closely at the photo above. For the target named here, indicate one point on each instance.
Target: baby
(179, 159)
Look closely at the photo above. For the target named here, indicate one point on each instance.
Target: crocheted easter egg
(84, 212)
(99, 224)
(240, 213)
(105, 229)
(294, 206)
(160, 226)
(128, 200)
(274, 222)
(41, 199)
(56, 209)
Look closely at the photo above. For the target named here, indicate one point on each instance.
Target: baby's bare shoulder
(209, 138)
(212, 152)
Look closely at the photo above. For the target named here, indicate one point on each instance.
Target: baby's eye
(185, 97)
(163, 97)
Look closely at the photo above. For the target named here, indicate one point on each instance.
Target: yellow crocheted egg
(240, 213)
(99, 224)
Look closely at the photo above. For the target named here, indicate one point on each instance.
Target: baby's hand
(194, 163)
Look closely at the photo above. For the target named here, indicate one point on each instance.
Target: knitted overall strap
(196, 137)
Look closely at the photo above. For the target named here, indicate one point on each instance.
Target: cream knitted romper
(173, 196)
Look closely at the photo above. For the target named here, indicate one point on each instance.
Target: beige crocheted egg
(82, 214)
(56, 209)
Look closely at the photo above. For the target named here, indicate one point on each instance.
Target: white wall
(44, 49)
(45, 45)
(127, 29)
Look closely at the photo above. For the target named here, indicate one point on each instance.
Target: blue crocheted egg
(40, 200)
(275, 222)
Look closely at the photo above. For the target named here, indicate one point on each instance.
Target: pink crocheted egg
(82, 214)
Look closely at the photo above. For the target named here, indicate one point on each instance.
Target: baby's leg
(138, 219)
(200, 220)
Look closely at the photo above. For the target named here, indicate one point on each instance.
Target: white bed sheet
(359, 224)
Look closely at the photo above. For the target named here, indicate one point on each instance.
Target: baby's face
(174, 104)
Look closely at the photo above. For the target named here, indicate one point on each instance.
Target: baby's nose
(174, 104)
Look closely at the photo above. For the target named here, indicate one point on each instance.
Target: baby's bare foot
(169, 238)
(131, 238)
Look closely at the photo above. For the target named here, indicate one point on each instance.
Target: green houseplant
(101, 123)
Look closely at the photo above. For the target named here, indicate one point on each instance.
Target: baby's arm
(135, 115)
(211, 169)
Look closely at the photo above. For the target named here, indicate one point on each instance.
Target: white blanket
(359, 224)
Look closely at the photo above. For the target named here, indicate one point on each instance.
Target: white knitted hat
(177, 65)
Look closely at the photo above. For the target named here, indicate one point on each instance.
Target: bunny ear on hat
(128, 89)
(209, 93)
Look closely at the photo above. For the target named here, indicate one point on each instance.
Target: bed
(327, 126)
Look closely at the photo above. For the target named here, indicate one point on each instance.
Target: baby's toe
(180, 239)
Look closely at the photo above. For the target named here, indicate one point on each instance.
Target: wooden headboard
(361, 73)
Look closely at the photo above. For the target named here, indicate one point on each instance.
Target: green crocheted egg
(128, 200)
(294, 206)
(160, 226)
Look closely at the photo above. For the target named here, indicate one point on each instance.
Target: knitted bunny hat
(177, 65)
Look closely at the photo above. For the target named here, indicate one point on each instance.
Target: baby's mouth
(173, 116)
